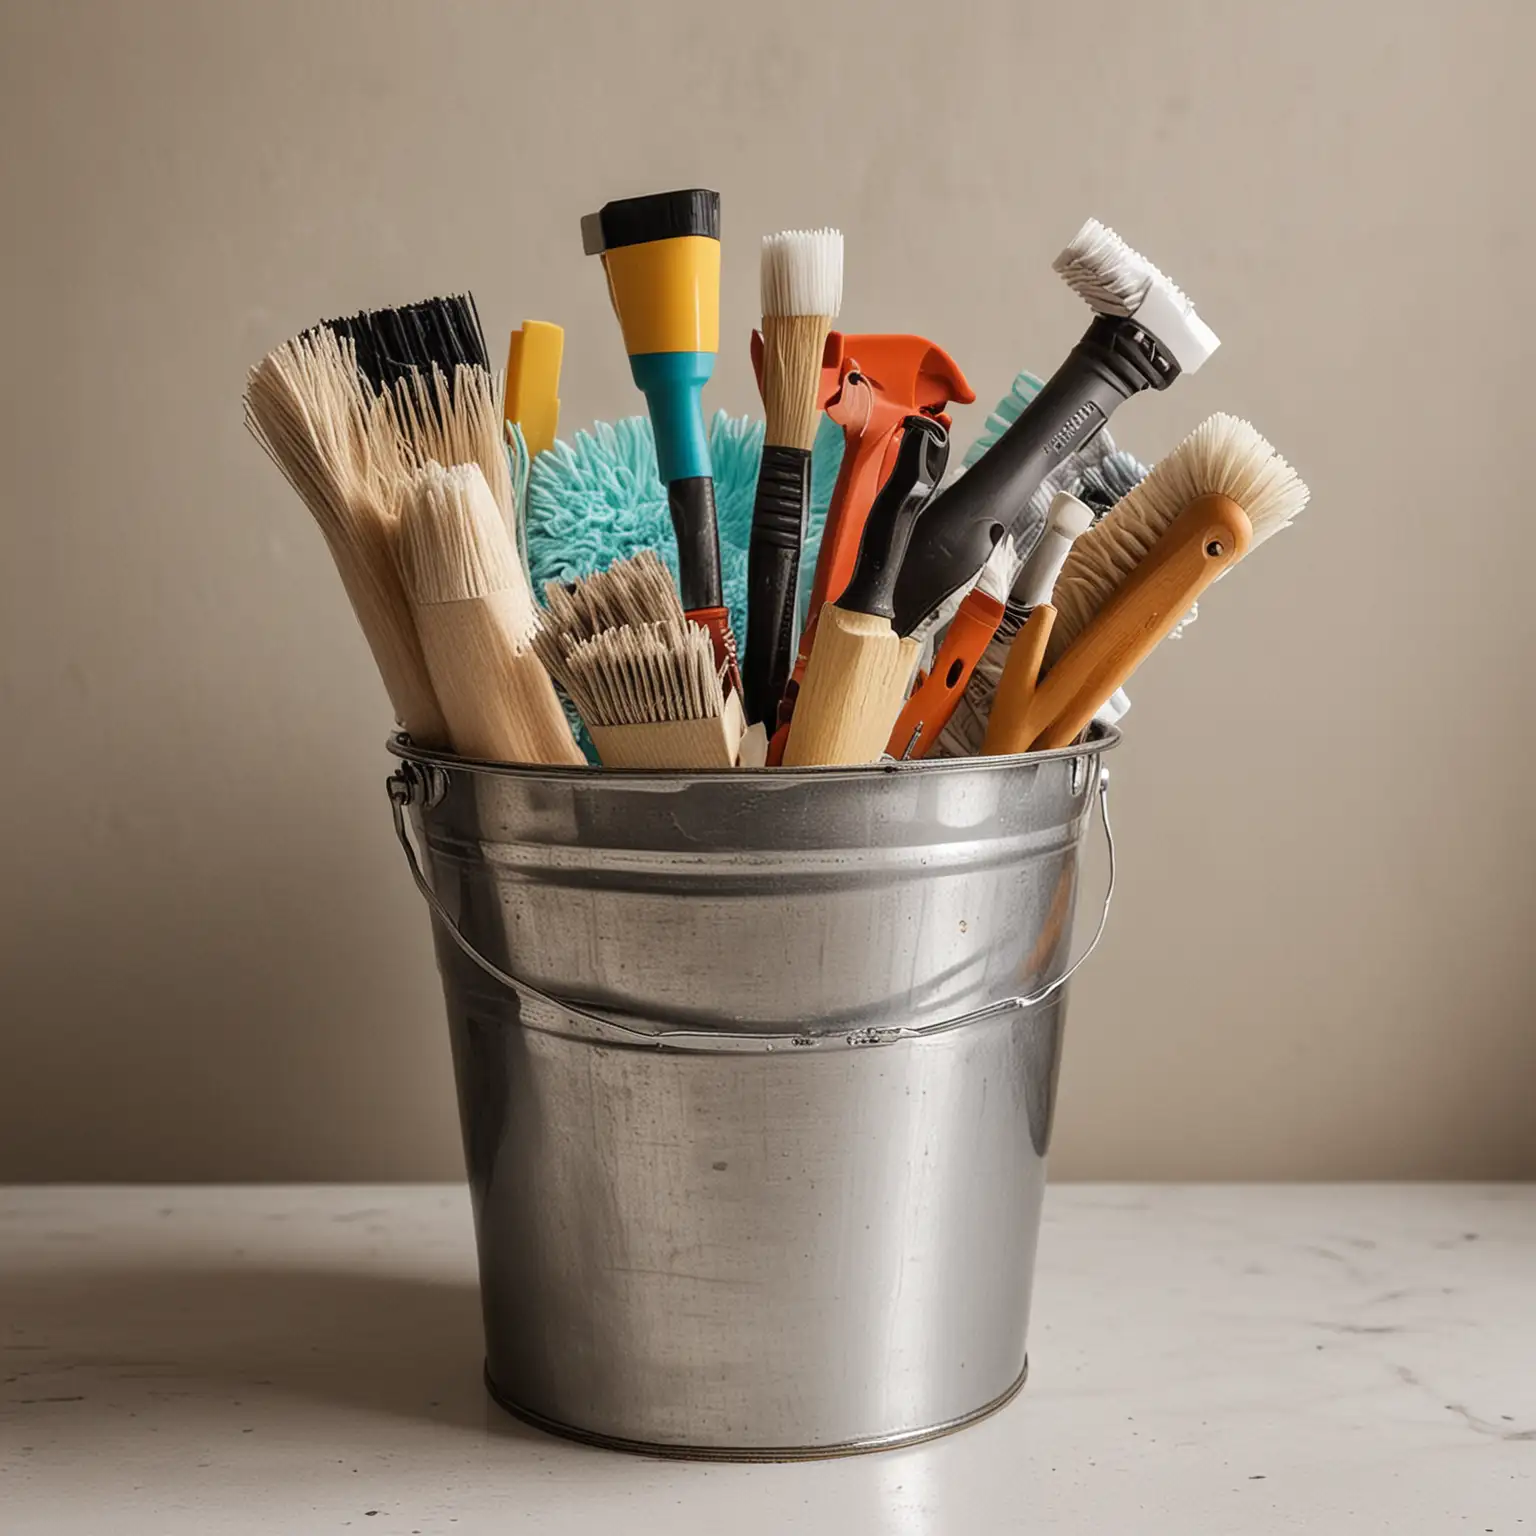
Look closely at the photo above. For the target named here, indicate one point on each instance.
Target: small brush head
(657, 216)
(1002, 567)
(1224, 456)
(634, 591)
(393, 344)
(802, 272)
(1113, 278)
(642, 674)
(454, 546)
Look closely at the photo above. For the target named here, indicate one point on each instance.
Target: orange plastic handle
(927, 712)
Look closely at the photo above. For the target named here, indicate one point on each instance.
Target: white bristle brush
(332, 437)
(1222, 492)
(802, 290)
(475, 616)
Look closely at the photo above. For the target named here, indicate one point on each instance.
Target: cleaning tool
(1145, 334)
(1124, 586)
(965, 641)
(475, 616)
(595, 498)
(634, 591)
(306, 405)
(661, 255)
(1099, 474)
(883, 379)
(532, 396)
(802, 286)
(651, 697)
(859, 668)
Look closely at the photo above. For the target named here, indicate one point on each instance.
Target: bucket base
(754, 1453)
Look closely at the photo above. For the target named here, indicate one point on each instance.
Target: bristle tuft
(1002, 567)
(392, 343)
(454, 544)
(642, 674)
(1110, 276)
(802, 272)
(1224, 455)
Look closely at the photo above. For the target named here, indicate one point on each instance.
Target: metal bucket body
(757, 1142)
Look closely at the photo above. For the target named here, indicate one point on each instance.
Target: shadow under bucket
(756, 1074)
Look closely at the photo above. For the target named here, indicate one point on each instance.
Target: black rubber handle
(903, 499)
(692, 505)
(1115, 360)
(773, 572)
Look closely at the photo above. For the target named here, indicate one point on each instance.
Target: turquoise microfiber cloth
(599, 499)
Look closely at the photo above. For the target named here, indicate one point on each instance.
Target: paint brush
(475, 616)
(802, 287)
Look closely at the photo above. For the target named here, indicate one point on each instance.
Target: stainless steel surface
(767, 1252)
(412, 784)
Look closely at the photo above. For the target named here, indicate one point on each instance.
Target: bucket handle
(412, 783)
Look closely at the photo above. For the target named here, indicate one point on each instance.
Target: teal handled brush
(661, 255)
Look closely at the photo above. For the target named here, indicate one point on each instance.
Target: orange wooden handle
(927, 712)
(1208, 537)
(1012, 725)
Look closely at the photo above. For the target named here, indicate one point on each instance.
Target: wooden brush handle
(1012, 725)
(853, 687)
(1208, 537)
(927, 712)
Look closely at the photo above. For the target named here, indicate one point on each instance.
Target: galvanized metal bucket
(756, 1074)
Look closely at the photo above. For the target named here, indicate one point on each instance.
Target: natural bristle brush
(476, 618)
(1128, 581)
(307, 404)
(1144, 335)
(802, 289)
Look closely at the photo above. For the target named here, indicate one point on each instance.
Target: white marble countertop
(1223, 1359)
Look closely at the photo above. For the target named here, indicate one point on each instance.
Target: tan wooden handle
(851, 693)
(1012, 726)
(1210, 535)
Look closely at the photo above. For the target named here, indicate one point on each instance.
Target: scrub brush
(1144, 335)
(1222, 492)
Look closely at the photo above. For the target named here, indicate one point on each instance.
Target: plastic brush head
(1113, 278)
(1225, 456)
(393, 344)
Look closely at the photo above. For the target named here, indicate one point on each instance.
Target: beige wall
(1320, 962)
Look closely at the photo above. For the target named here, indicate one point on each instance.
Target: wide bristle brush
(307, 405)
(476, 619)
(1127, 582)
(802, 288)
(1144, 335)
(652, 696)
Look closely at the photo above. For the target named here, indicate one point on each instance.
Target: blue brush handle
(673, 385)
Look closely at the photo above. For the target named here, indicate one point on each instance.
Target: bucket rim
(1101, 739)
